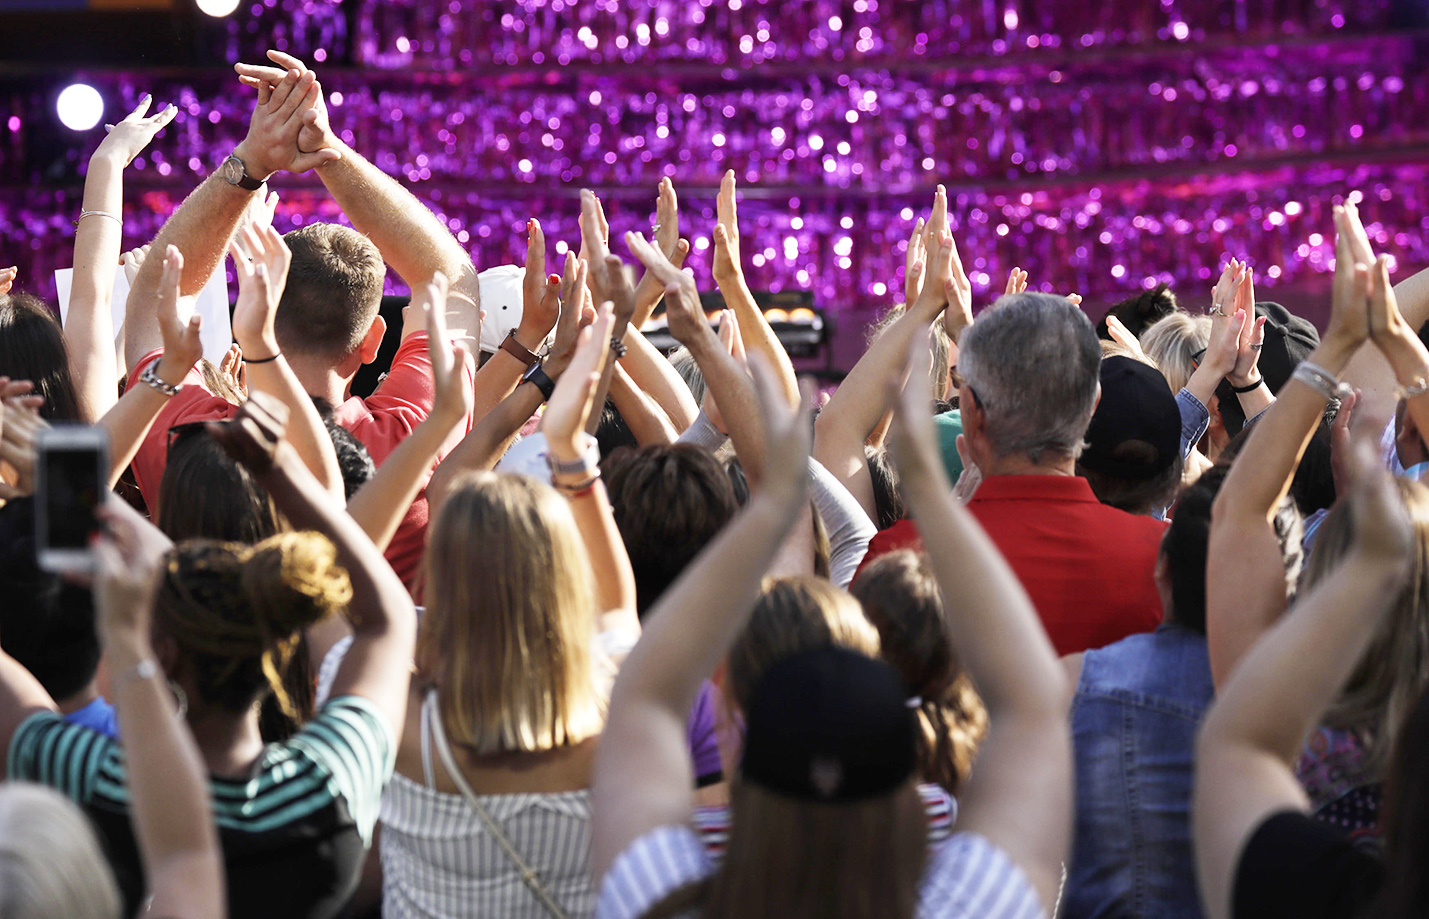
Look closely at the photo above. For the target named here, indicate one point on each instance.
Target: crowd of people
(1031, 617)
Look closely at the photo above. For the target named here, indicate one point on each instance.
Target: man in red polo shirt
(1029, 368)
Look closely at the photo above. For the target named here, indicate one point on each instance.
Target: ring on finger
(1257, 346)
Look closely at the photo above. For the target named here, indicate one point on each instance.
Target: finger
(284, 90)
(682, 251)
(141, 108)
(302, 98)
(165, 116)
(724, 204)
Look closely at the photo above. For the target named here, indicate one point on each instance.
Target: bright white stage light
(217, 8)
(80, 107)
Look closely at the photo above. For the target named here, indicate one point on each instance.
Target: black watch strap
(536, 375)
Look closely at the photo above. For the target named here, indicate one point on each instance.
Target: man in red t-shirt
(1029, 368)
(327, 324)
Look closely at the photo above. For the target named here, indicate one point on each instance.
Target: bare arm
(666, 235)
(643, 772)
(608, 283)
(1020, 795)
(655, 376)
(564, 425)
(646, 420)
(1245, 592)
(384, 624)
(1369, 371)
(728, 273)
(205, 222)
(168, 782)
(89, 328)
(128, 421)
(261, 260)
(1253, 733)
(379, 506)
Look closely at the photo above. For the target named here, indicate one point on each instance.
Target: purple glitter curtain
(1102, 147)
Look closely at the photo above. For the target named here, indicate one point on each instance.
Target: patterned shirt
(294, 832)
(967, 878)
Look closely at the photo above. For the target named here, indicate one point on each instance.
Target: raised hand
(595, 229)
(1016, 282)
(232, 369)
(453, 395)
(275, 131)
(260, 212)
(7, 277)
(316, 132)
(726, 232)
(255, 434)
(540, 304)
(575, 315)
(682, 299)
(1349, 301)
(606, 275)
(1122, 335)
(129, 137)
(182, 347)
(915, 262)
(260, 259)
(666, 236)
(1223, 293)
(569, 409)
(18, 436)
(1223, 346)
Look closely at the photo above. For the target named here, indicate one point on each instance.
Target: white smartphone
(71, 479)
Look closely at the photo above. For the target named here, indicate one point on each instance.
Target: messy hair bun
(239, 611)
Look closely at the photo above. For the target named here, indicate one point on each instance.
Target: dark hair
(1406, 820)
(46, 623)
(887, 500)
(900, 596)
(32, 347)
(613, 433)
(669, 501)
(1140, 312)
(334, 291)
(1313, 487)
(1135, 496)
(353, 459)
(238, 611)
(205, 494)
(1187, 541)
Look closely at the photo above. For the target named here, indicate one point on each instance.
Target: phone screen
(72, 492)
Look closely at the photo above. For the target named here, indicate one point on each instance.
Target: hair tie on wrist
(1238, 390)
(262, 360)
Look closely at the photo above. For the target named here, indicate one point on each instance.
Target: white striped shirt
(439, 861)
(967, 878)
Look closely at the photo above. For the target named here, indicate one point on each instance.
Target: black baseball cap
(830, 725)
(1136, 405)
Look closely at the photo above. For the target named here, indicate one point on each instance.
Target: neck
(320, 378)
(228, 741)
(1020, 464)
(79, 700)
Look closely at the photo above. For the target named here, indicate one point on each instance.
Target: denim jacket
(1134, 719)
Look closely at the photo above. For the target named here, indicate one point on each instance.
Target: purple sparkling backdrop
(1102, 147)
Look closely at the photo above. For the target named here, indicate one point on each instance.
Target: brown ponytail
(239, 611)
(901, 598)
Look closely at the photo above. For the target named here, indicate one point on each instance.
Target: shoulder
(67, 757)
(658, 864)
(970, 877)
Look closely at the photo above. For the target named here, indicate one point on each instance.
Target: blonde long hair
(1394, 669)
(50, 861)
(507, 634)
